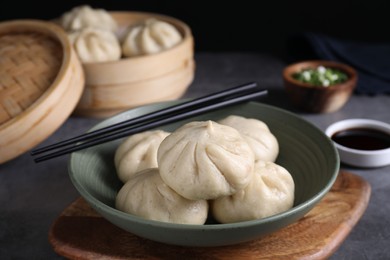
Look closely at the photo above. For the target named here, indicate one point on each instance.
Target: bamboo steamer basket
(41, 81)
(115, 86)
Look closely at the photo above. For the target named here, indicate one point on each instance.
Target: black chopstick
(231, 92)
(166, 120)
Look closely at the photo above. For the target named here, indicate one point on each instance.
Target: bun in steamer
(95, 45)
(151, 36)
(81, 17)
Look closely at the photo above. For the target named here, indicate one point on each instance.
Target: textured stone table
(33, 195)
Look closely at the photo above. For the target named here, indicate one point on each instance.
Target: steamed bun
(95, 45)
(270, 192)
(150, 37)
(84, 16)
(146, 195)
(205, 160)
(138, 152)
(263, 143)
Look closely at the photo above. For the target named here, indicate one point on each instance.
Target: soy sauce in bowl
(362, 139)
(361, 142)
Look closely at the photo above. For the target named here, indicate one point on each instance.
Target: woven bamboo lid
(41, 81)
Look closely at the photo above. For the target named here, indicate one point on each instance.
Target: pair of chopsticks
(229, 97)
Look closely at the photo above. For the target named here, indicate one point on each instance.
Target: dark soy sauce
(362, 138)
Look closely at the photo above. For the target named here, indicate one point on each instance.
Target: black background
(261, 26)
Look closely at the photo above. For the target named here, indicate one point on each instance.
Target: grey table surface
(33, 195)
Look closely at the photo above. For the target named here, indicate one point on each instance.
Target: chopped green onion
(321, 76)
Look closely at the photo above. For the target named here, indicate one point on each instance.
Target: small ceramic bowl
(318, 99)
(305, 151)
(361, 142)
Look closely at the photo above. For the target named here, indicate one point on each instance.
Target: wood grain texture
(80, 233)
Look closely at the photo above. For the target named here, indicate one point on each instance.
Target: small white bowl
(360, 157)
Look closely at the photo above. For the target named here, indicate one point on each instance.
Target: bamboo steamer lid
(41, 82)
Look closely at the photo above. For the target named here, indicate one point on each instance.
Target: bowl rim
(291, 68)
(358, 122)
(159, 224)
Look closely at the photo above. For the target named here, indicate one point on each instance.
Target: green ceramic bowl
(305, 151)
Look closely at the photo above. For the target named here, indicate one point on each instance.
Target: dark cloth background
(249, 26)
(244, 25)
(371, 60)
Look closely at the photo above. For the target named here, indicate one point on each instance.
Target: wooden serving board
(80, 233)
